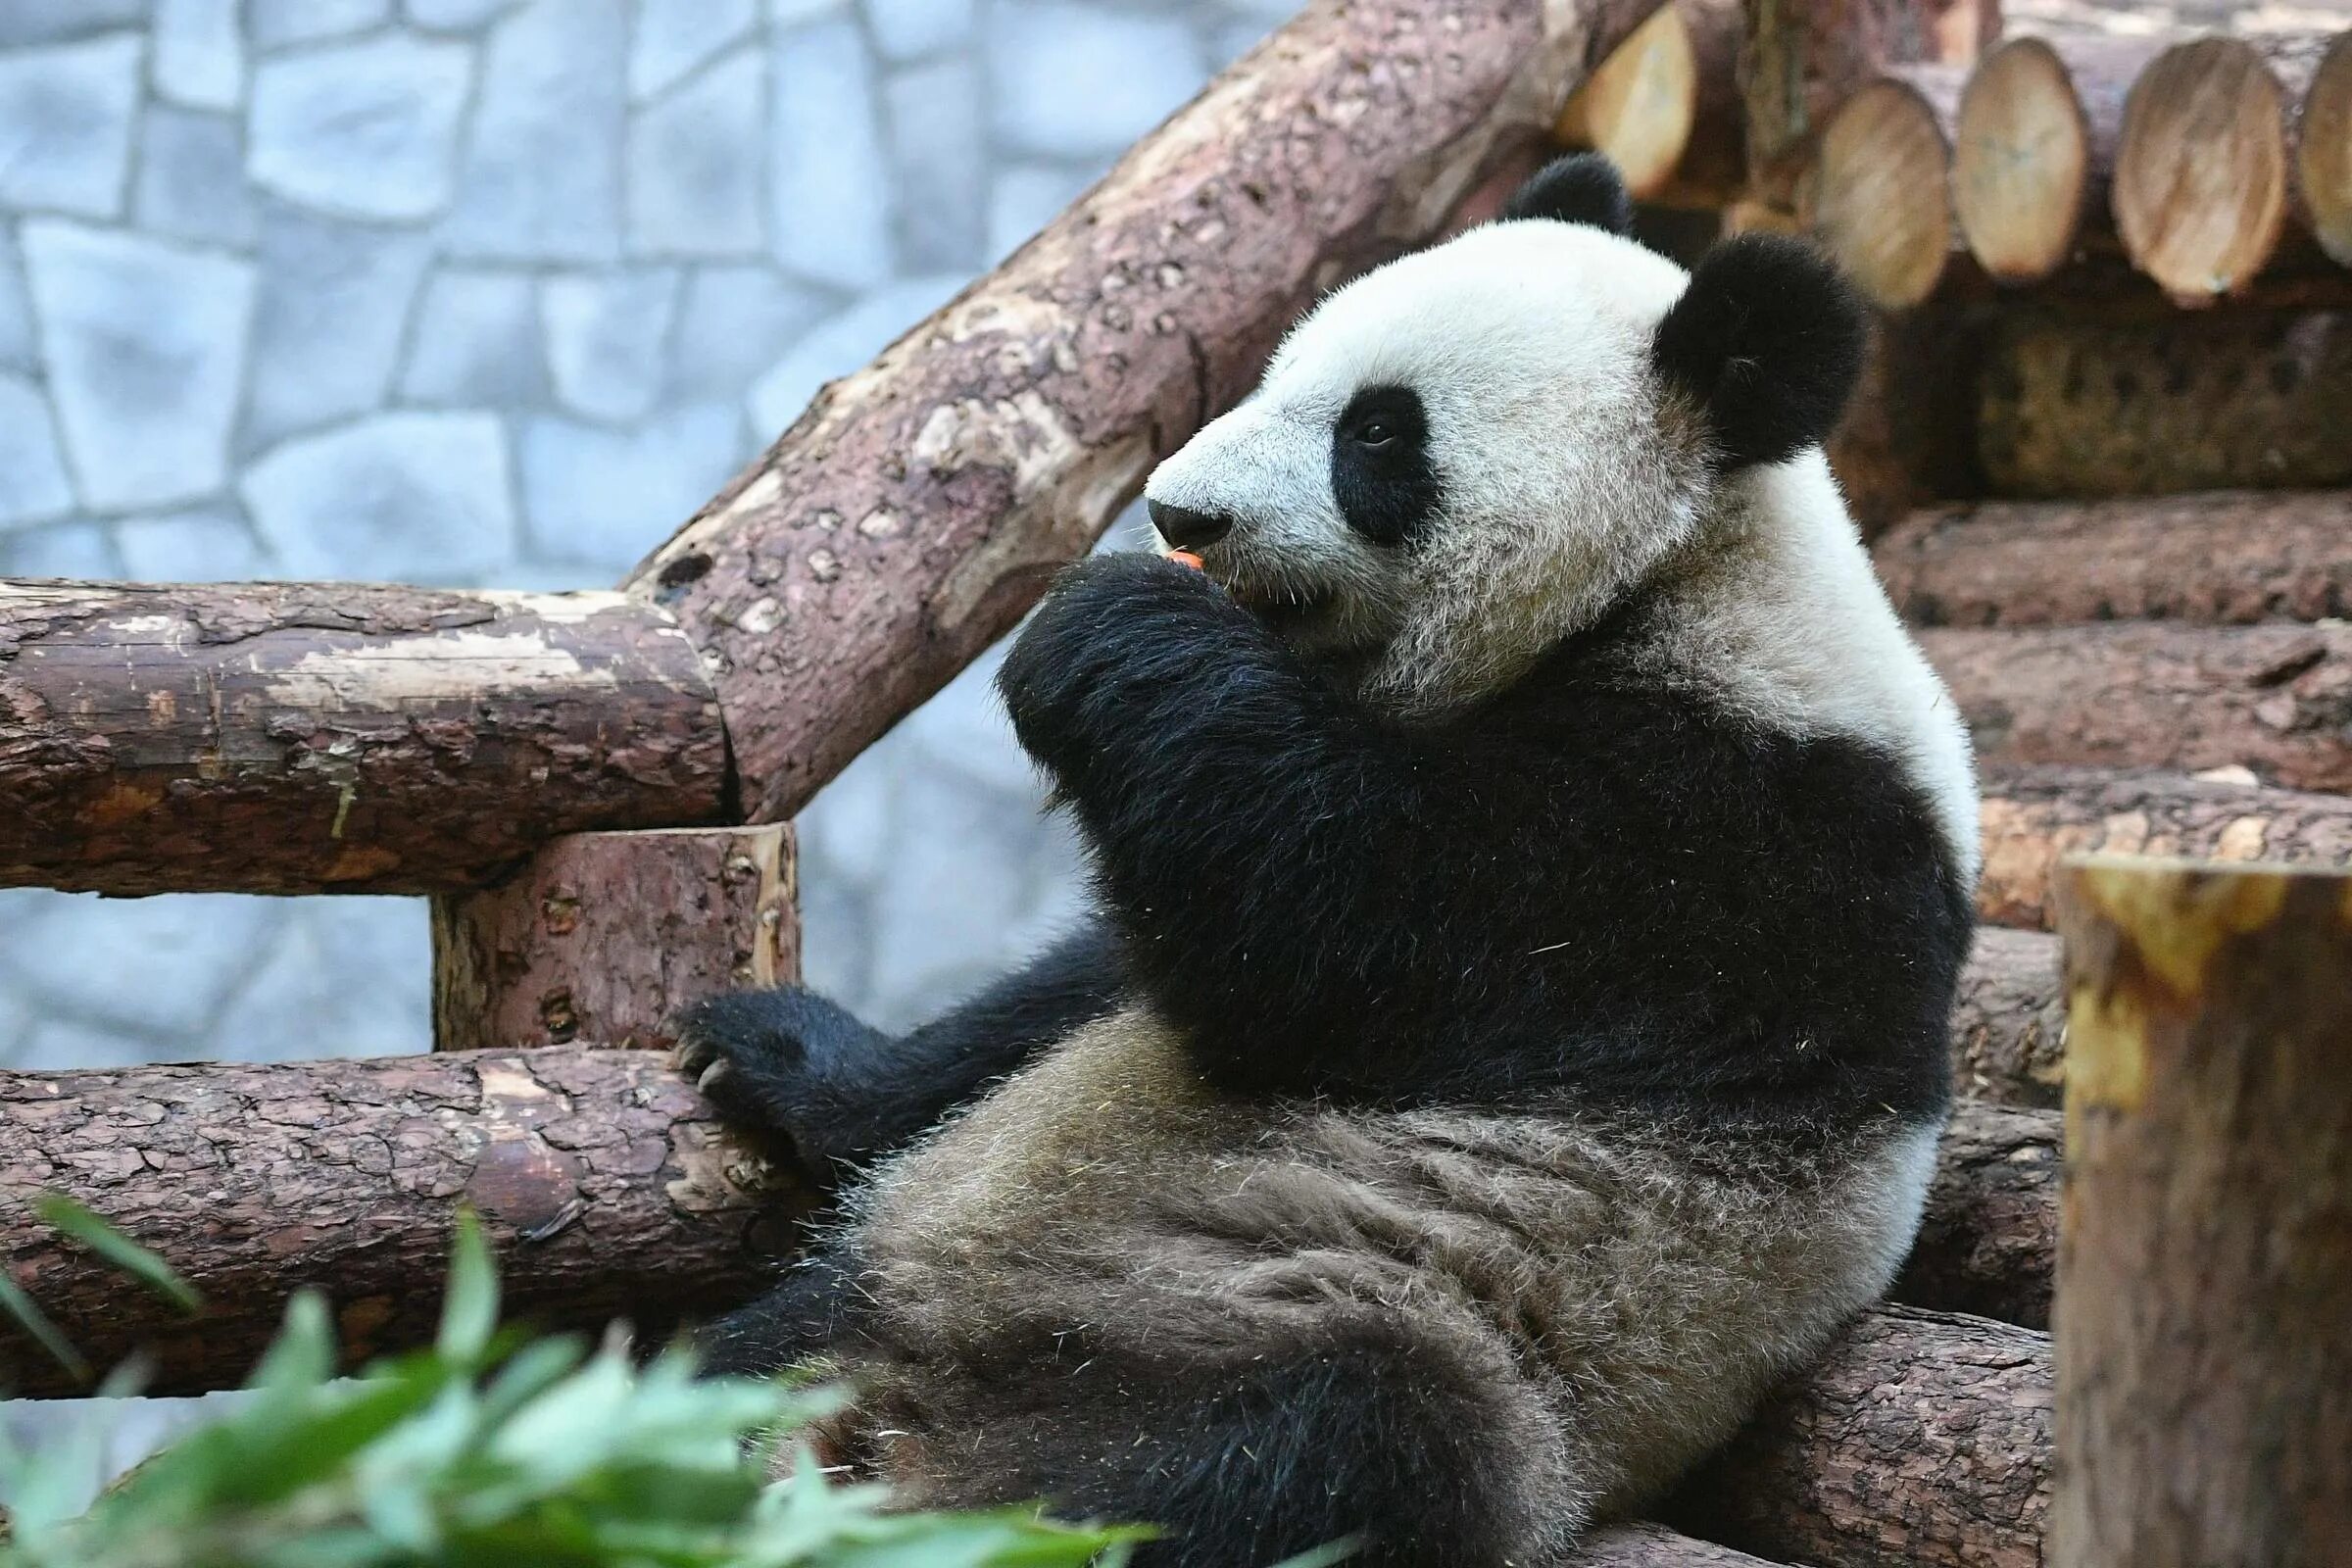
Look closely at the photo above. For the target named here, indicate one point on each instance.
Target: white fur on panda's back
(1629, 1289)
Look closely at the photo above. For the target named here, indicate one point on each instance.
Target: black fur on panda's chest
(1605, 888)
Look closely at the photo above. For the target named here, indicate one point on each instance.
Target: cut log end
(2020, 162)
(2324, 154)
(1878, 197)
(1638, 105)
(2200, 193)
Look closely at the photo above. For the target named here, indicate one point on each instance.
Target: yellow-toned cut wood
(1878, 197)
(2200, 192)
(2323, 152)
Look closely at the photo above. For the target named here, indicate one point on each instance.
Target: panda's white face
(1451, 462)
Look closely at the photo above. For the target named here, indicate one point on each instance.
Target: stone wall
(494, 291)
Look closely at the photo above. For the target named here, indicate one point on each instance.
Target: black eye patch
(1381, 473)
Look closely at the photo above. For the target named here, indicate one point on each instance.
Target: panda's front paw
(777, 1060)
(1112, 628)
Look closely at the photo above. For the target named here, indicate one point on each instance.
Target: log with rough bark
(603, 936)
(2202, 167)
(2205, 1401)
(1989, 1242)
(1651, 1546)
(2032, 817)
(600, 1177)
(2033, 152)
(1665, 107)
(2323, 152)
(2232, 557)
(1878, 193)
(921, 504)
(1922, 1441)
(2009, 1021)
(1805, 59)
(2275, 700)
(2071, 403)
(304, 738)
(608, 1186)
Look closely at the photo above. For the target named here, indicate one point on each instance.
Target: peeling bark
(2032, 817)
(2274, 700)
(304, 738)
(2233, 556)
(2206, 1388)
(600, 1176)
(603, 936)
(2009, 1023)
(921, 504)
(1988, 1243)
(1922, 1441)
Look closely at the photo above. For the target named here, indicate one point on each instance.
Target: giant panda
(1532, 868)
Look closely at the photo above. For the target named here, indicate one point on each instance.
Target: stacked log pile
(2113, 524)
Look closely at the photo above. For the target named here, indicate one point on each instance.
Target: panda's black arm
(1287, 866)
(841, 1091)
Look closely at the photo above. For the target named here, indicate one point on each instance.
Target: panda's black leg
(789, 1061)
(1421, 1467)
(803, 1315)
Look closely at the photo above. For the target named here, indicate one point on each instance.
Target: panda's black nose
(1186, 528)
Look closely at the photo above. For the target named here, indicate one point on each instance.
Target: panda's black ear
(1767, 340)
(1580, 188)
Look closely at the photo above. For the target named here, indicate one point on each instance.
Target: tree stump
(2204, 1333)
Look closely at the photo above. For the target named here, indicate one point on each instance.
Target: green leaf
(470, 1306)
(35, 1323)
(303, 1356)
(110, 1243)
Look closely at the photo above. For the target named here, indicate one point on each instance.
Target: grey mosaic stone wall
(495, 291)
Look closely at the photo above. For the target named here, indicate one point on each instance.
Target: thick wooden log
(2323, 152)
(919, 506)
(1653, 1547)
(611, 1191)
(603, 936)
(2202, 167)
(304, 738)
(2275, 700)
(1989, 1242)
(599, 1175)
(2033, 154)
(2226, 558)
(2009, 1021)
(2205, 1398)
(2034, 816)
(1665, 107)
(2074, 404)
(1878, 194)
(1806, 58)
(1922, 1441)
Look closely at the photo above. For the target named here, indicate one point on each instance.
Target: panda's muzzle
(1185, 528)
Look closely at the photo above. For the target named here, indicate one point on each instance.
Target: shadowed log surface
(1989, 1244)
(2274, 699)
(334, 737)
(2031, 816)
(600, 1177)
(2009, 1024)
(2074, 403)
(1922, 1441)
(603, 936)
(918, 506)
(2232, 557)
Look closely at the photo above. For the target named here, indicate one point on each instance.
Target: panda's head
(1479, 449)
